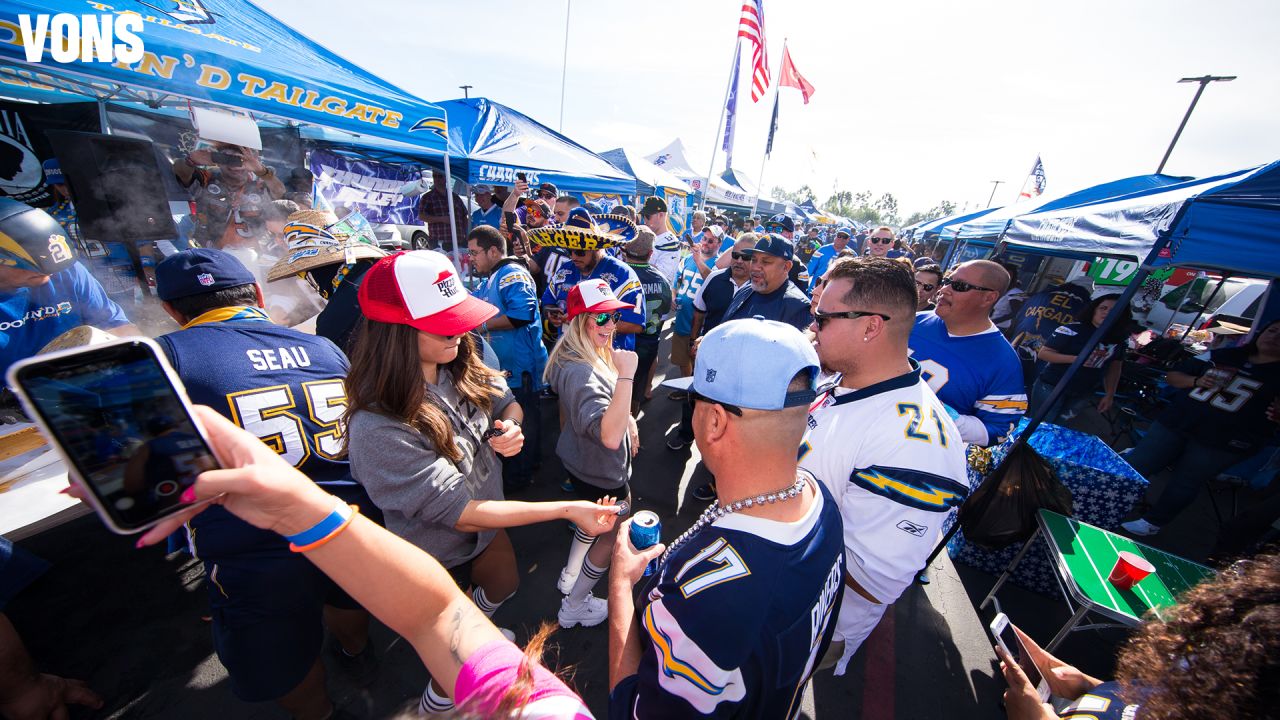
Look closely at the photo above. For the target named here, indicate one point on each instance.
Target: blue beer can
(645, 531)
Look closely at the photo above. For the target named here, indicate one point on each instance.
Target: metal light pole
(994, 184)
(1204, 81)
(466, 95)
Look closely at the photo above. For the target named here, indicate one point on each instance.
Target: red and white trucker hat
(421, 288)
(592, 296)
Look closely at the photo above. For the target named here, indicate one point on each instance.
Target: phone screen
(123, 427)
(1020, 655)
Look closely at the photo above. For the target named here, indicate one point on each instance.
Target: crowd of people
(400, 435)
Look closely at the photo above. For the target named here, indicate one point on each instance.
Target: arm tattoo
(464, 620)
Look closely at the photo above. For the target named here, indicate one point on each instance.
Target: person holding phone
(462, 649)
(595, 382)
(285, 386)
(426, 423)
(224, 180)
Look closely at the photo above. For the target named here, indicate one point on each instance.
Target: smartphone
(226, 158)
(1008, 639)
(521, 177)
(121, 420)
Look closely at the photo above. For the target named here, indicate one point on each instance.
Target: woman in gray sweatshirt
(599, 436)
(425, 418)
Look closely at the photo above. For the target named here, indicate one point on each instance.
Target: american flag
(751, 27)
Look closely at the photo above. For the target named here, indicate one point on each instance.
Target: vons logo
(88, 38)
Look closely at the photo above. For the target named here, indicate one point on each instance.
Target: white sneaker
(591, 612)
(1140, 527)
(567, 579)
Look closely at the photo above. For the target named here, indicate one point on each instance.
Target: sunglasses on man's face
(740, 255)
(579, 253)
(881, 241)
(927, 287)
(961, 286)
(696, 396)
(605, 318)
(822, 318)
(547, 195)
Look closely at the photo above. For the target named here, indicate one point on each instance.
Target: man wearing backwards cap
(666, 246)
(284, 386)
(489, 213)
(590, 264)
(739, 610)
(44, 291)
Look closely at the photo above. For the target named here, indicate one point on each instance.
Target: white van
(1239, 297)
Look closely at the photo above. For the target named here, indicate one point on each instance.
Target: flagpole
(765, 158)
(724, 108)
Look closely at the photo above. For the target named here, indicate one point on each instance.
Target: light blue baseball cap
(749, 363)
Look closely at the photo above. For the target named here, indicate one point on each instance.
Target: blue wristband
(334, 520)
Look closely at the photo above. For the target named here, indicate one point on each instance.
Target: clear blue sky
(926, 99)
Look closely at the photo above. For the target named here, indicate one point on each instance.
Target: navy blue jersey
(720, 638)
(282, 385)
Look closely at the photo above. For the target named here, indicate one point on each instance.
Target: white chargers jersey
(894, 461)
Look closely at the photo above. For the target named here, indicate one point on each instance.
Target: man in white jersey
(880, 440)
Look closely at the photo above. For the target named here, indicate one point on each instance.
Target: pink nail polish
(140, 544)
(188, 496)
(65, 491)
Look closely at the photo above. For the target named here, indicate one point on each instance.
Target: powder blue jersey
(720, 638)
(284, 386)
(978, 375)
(31, 317)
(622, 280)
(511, 289)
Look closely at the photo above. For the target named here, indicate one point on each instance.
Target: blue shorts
(268, 619)
(18, 569)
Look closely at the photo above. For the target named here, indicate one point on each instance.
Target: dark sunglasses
(820, 318)
(696, 396)
(740, 255)
(603, 319)
(881, 241)
(963, 287)
(928, 287)
(547, 195)
(580, 253)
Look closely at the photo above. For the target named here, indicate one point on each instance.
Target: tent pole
(448, 196)
(1060, 389)
(724, 107)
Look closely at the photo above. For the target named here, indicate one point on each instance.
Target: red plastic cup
(1129, 570)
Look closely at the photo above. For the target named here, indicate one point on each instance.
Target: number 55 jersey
(282, 385)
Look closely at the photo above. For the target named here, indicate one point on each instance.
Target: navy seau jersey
(282, 385)
(737, 618)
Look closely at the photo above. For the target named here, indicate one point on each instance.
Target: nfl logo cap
(198, 271)
(750, 362)
(592, 296)
(421, 289)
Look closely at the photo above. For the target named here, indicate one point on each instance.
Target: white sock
(432, 702)
(482, 601)
(586, 581)
(578, 548)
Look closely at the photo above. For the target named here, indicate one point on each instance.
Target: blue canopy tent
(931, 229)
(232, 54)
(986, 228)
(649, 177)
(489, 143)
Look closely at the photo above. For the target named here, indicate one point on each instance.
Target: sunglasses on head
(605, 318)
(963, 287)
(928, 287)
(821, 318)
(881, 241)
(696, 396)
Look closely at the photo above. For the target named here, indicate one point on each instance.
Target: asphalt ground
(131, 622)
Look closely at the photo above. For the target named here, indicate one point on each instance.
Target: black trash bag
(1002, 511)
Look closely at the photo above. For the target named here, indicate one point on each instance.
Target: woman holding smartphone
(599, 436)
(422, 409)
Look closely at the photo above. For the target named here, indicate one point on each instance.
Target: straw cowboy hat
(312, 244)
(582, 232)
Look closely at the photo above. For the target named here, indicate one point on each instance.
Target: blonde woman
(599, 436)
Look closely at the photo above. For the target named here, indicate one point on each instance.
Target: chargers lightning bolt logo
(913, 488)
(436, 125)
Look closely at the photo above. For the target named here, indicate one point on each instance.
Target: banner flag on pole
(751, 27)
(773, 128)
(1034, 184)
(731, 114)
(790, 77)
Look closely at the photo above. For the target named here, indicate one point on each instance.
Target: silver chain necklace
(714, 512)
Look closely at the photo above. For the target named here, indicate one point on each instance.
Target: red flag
(751, 27)
(790, 77)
